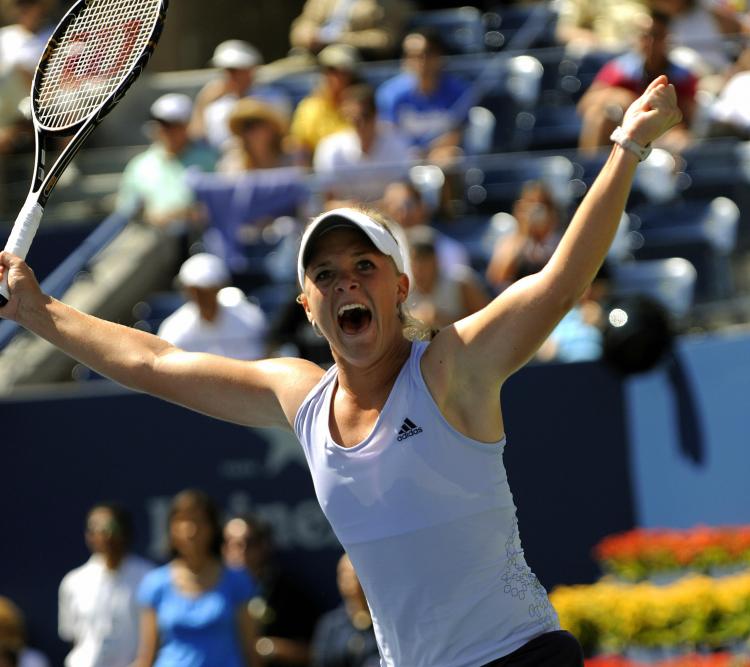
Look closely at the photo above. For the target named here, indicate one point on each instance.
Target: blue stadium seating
(461, 28)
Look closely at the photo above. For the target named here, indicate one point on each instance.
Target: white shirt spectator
(14, 39)
(732, 105)
(340, 158)
(99, 614)
(239, 330)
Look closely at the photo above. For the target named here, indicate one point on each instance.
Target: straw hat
(249, 108)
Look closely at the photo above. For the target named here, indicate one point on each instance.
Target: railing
(65, 274)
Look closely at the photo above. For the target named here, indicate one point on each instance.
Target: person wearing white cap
(238, 62)
(154, 180)
(404, 438)
(217, 318)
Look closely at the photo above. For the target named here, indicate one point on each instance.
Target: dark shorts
(552, 649)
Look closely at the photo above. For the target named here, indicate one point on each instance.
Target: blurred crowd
(232, 172)
(221, 598)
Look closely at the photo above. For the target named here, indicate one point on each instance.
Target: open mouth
(354, 317)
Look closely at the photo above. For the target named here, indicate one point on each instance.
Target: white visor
(382, 238)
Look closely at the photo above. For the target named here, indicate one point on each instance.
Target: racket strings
(95, 53)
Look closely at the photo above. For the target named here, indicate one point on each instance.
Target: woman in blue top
(404, 439)
(195, 609)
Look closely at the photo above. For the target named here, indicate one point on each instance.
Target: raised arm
(261, 393)
(488, 346)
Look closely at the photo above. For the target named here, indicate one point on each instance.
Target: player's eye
(323, 275)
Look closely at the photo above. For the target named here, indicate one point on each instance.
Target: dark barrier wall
(566, 459)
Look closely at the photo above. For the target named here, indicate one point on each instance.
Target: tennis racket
(97, 51)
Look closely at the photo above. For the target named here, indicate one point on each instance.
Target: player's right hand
(653, 113)
(22, 284)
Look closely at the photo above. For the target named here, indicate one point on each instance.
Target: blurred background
(479, 127)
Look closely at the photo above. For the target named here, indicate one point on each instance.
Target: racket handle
(21, 237)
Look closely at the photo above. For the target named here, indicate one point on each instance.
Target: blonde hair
(412, 328)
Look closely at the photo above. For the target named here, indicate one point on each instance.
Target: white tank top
(428, 520)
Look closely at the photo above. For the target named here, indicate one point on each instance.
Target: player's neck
(370, 385)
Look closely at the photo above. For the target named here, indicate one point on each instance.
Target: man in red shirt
(623, 79)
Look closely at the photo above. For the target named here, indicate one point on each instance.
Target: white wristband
(619, 137)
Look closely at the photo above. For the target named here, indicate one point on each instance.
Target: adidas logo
(408, 429)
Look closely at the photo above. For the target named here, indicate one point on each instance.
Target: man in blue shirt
(426, 103)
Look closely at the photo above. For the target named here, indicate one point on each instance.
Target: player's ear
(402, 287)
(302, 301)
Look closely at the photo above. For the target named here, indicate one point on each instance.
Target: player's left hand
(653, 113)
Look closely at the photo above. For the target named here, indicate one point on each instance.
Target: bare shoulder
(291, 380)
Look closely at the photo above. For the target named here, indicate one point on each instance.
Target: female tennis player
(404, 439)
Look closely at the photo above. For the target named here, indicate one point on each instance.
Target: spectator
(584, 26)
(360, 161)
(371, 27)
(239, 207)
(439, 297)
(155, 179)
(319, 114)
(425, 102)
(194, 610)
(403, 202)
(16, 128)
(98, 612)
(625, 78)
(238, 62)
(701, 28)
(284, 613)
(730, 112)
(344, 636)
(216, 319)
(579, 335)
(527, 248)
(259, 130)
(13, 637)
(29, 26)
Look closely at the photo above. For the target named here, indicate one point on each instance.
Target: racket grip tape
(21, 236)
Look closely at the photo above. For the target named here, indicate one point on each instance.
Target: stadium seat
(555, 127)
(461, 28)
(702, 231)
(520, 27)
(670, 281)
